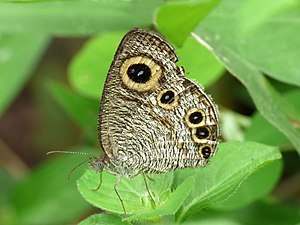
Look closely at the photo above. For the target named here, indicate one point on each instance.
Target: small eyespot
(140, 73)
(195, 118)
(205, 151)
(200, 134)
(167, 99)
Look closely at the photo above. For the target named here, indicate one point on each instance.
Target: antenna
(66, 152)
(72, 170)
(74, 153)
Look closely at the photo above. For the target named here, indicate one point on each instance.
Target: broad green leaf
(232, 125)
(254, 187)
(17, 60)
(264, 11)
(133, 192)
(177, 20)
(47, 195)
(199, 63)
(269, 102)
(234, 162)
(103, 219)
(262, 131)
(259, 213)
(78, 17)
(271, 47)
(89, 68)
(278, 45)
(171, 206)
(83, 110)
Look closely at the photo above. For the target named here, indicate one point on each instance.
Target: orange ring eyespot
(140, 73)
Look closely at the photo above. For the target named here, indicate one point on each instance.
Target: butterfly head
(98, 163)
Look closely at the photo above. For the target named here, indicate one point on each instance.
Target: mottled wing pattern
(152, 119)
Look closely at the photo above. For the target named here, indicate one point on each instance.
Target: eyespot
(200, 134)
(205, 151)
(195, 118)
(140, 73)
(167, 98)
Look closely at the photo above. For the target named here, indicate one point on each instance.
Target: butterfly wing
(152, 119)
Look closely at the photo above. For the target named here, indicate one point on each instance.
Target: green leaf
(88, 70)
(103, 219)
(262, 131)
(83, 110)
(264, 12)
(232, 124)
(78, 17)
(177, 20)
(269, 102)
(199, 63)
(259, 213)
(234, 162)
(278, 57)
(7, 184)
(17, 60)
(47, 192)
(271, 46)
(171, 206)
(132, 191)
(254, 187)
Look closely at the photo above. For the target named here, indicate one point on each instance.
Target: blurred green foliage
(253, 179)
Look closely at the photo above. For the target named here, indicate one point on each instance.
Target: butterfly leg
(115, 188)
(100, 182)
(149, 193)
(149, 177)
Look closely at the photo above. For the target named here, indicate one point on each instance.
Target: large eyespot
(205, 151)
(140, 73)
(167, 98)
(195, 118)
(201, 134)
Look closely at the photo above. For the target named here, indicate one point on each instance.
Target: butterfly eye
(200, 134)
(167, 99)
(205, 151)
(140, 73)
(195, 118)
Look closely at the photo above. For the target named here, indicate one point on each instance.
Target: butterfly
(152, 118)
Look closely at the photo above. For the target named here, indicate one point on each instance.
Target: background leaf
(275, 109)
(259, 213)
(178, 28)
(17, 62)
(170, 206)
(132, 191)
(199, 63)
(254, 187)
(49, 192)
(87, 73)
(233, 163)
(103, 219)
(275, 38)
(78, 17)
(84, 111)
(262, 131)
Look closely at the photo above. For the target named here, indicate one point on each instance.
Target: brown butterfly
(152, 119)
